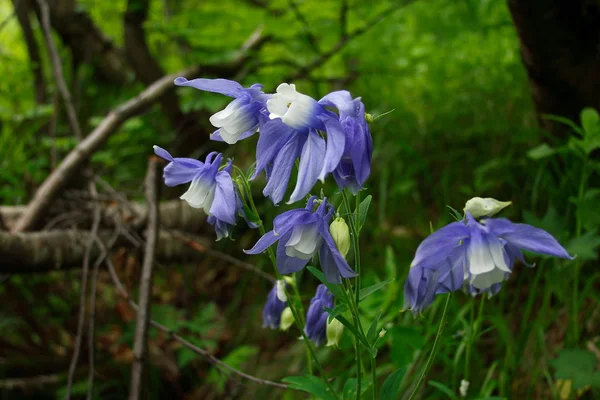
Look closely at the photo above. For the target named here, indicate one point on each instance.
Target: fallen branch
(143, 316)
(74, 161)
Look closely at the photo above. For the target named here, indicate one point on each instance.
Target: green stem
(578, 229)
(473, 332)
(429, 362)
(374, 376)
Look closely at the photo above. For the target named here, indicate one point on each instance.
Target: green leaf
(563, 120)
(333, 288)
(309, 384)
(390, 389)
(363, 209)
(354, 331)
(337, 310)
(366, 292)
(584, 247)
(251, 215)
(541, 151)
(444, 389)
(577, 365)
(372, 333)
(455, 214)
(590, 121)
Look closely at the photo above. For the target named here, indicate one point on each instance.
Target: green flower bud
(369, 118)
(487, 207)
(341, 235)
(334, 332)
(287, 319)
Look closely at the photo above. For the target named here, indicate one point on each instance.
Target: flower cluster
(473, 255)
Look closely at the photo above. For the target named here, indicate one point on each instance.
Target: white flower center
(486, 264)
(200, 195)
(295, 109)
(304, 242)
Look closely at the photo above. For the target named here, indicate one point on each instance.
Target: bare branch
(73, 162)
(310, 38)
(83, 297)
(344, 18)
(152, 184)
(173, 335)
(57, 70)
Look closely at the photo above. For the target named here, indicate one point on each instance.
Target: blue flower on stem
(240, 119)
(211, 190)
(276, 303)
(294, 129)
(473, 255)
(302, 233)
(355, 165)
(316, 316)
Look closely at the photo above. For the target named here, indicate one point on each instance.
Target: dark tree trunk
(560, 46)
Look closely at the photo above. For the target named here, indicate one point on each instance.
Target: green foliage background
(462, 126)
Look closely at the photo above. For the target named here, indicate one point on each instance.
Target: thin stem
(474, 331)
(577, 266)
(374, 376)
(429, 362)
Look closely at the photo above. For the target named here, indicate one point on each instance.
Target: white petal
(228, 137)
(480, 259)
(281, 291)
(287, 91)
(219, 119)
(497, 252)
(303, 242)
(200, 195)
(485, 280)
(301, 111)
(277, 107)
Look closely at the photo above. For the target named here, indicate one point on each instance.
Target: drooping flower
(316, 316)
(211, 190)
(274, 307)
(334, 332)
(295, 130)
(240, 119)
(302, 233)
(355, 165)
(471, 254)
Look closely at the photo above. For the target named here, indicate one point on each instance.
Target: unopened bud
(281, 290)
(382, 333)
(479, 207)
(287, 319)
(369, 118)
(334, 332)
(464, 388)
(341, 235)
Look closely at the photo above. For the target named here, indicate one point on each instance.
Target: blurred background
(485, 98)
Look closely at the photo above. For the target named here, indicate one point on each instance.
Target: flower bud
(479, 207)
(341, 235)
(369, 118)
(382, 333)
(281, 290)
(287, 319)
(334, 332)
(464, 388)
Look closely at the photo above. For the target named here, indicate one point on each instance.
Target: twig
(92, 316)
(173, 335)
(305, 71)
(344, 19)
(82, 301)
(73, 162)
(57, 69)
(141, 330)
(310, 38)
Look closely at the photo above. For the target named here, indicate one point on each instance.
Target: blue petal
(361, 151)
(342, 100)
(420, 288)
(328, 264)
(273, 136)
(223, 86)
(341, 263)
(222, 228)
(285, 263)
(282, 168)
(263, 243)
(452, 271)
(526, 237)
(286, 221)
(311, 164)
(224, 205)
(336, 140)
(179, 170)
(437, 246)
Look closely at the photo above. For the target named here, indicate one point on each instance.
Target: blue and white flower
(276, 303)
(211, 190)
(473, 255)
(240, 119)
(355, 165)
(316, 316)
(302, 234)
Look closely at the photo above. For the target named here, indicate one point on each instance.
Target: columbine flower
(316, 316)
(302, 233)
(211, 190)
(274, 308)
(240, 118)
(355, 165)
(341, 235)
(292, 132)
(471, 254)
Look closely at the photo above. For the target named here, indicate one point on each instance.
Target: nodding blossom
(240, 119)
(316, 316)
(274, 306)
(355, 165)
(211, 190)
(302, 234)
(471, 254)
